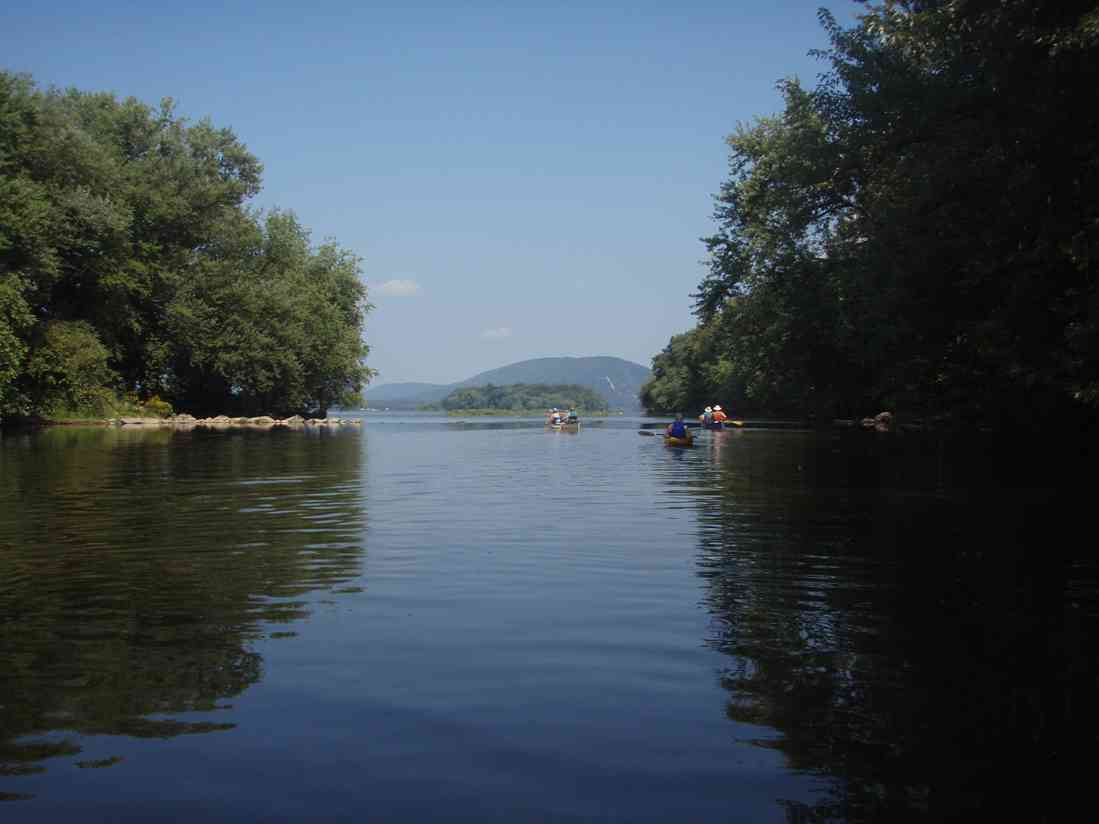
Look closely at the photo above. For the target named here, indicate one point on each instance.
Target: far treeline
(918, 233)
(131, 266)
(522, 397)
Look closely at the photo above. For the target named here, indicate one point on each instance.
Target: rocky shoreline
(225, 422)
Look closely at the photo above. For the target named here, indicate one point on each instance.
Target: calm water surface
(427, 620)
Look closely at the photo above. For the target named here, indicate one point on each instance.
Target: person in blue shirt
(677, 428)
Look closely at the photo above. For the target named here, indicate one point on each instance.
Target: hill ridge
(615, 379)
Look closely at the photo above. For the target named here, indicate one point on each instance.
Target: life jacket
(678, 430)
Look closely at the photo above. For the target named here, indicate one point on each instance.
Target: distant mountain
(617, 380)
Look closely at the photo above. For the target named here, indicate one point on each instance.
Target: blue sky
(521, 180)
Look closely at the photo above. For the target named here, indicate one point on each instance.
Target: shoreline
(216, 422)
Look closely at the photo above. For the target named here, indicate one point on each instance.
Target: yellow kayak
(564, 427)
(679, 442)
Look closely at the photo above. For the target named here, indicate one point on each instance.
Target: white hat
(717, 408)
(708, 409)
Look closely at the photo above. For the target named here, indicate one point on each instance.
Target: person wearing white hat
(719, 417)
(706, 417)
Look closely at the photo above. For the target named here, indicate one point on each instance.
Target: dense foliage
(525, 397)
(920, 232)
(129, 261)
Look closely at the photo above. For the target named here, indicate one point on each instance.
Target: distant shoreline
(512, 413)
(191, 422)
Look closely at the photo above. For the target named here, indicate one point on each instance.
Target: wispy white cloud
(496, 334)
(397, 288)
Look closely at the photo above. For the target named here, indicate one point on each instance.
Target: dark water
(425, 621)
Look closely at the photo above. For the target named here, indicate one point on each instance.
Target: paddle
(656, 433)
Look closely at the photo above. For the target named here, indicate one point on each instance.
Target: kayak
(564, 427)
(682, 443)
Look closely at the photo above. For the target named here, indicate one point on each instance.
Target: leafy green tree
(15, 320)
(68, 369)
(918, 231)
(133, 222)
(267, 324)
(525, 397)
(679, 383)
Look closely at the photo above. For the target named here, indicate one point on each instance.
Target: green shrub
(156, 407)
(68, 371)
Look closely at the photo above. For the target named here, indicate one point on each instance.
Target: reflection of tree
(141, 565)
(924, 650)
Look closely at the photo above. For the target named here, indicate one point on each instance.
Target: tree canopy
(525, 397)
(918, 232)
(130, 260)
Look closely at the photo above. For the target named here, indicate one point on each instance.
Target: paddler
(572, 416)
(719, 416)
(707, 417)
(677, 428)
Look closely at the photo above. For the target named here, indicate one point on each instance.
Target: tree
(267, 324)
(15, 320)
(68, 368)
(919, 230)
(520, 397)
(130, 224)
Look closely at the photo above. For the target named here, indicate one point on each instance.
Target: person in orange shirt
(719, 415)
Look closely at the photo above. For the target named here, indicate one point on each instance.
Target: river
(430, 620)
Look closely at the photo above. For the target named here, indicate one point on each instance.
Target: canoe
(564, 427)
(682, 443)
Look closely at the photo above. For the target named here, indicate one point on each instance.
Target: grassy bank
(99, 407)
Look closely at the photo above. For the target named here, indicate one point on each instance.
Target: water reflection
(919, 632)
(139, 568)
